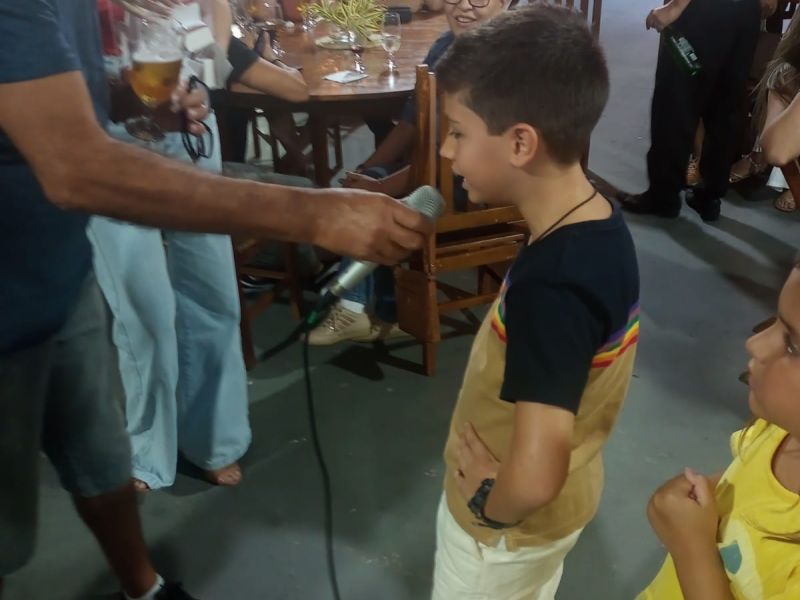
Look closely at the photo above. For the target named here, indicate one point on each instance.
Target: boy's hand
(683, 512)
(475, 462)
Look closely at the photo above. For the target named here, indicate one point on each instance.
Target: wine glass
(390, 39)
(267, 16)
(357, 45)
(156, 53)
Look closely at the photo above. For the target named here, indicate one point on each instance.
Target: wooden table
(376, 95)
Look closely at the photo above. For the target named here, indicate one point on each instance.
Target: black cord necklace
(566, 214)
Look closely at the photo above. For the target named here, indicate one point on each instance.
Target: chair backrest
(428, 168)
(591, 9)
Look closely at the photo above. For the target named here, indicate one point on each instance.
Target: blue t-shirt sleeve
(32, 43)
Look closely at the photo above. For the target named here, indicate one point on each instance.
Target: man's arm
(81, 168)
(666, 15)
(537, 463)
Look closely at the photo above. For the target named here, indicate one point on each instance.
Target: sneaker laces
(338, 319)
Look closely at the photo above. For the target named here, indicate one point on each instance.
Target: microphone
(425, 200)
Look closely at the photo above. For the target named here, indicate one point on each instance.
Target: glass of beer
(156, 55)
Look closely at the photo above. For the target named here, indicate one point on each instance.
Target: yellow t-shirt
(752, 504)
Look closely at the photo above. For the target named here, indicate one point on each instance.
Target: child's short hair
(538, 65)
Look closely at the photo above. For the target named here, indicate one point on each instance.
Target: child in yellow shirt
(736, 535)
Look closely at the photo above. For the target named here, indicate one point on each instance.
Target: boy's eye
(454, 134)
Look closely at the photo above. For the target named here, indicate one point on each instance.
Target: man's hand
(195, 103)
(768, 8)
(664, 16)
(475, 462)
(368, 226)
(683, 512)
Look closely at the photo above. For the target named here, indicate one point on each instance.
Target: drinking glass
(390, 39)
(357, 45)
(156, 54)
(266, 16)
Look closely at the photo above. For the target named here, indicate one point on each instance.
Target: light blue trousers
(176, 326)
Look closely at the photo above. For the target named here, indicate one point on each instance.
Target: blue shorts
(62, 397)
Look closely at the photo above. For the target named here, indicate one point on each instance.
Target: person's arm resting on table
(552, 338)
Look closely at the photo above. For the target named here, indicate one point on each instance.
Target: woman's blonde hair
(782, 74)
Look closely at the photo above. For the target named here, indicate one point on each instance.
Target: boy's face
(478, 156)
(464, 16)
(774, 365)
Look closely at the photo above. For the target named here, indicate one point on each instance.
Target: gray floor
(383, 427)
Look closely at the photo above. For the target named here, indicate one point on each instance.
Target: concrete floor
(383, 427)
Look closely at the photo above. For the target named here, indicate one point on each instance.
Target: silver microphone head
(427, 201)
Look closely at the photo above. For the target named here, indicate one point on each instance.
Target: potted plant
(362, 17)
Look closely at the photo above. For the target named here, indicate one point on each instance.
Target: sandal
(785, 202)
(745, 168)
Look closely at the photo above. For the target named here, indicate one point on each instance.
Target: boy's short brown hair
(538, 65)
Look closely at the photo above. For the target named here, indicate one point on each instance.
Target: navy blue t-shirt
(44, 253)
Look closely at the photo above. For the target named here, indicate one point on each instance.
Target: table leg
(319, 149)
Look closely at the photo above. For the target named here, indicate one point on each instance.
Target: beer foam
(150, 56)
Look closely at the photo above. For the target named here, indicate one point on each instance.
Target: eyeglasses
(472, 3)
(196, 146)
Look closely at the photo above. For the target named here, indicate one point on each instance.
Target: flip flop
(785, 202)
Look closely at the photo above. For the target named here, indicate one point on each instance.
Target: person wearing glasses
(387, 171)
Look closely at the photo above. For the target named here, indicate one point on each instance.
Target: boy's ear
(524, 141)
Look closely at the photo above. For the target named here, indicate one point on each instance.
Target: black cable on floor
(326, 480)
(327, 496)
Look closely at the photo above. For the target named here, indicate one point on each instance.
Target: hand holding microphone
(427, 205)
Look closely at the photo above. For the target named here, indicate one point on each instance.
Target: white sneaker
(341, 325)
(381, 330)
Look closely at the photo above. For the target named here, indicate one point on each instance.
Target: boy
(551, 364)
(387, 171)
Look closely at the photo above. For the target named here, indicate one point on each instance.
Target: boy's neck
(546, 196)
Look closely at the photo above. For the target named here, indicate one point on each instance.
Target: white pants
(468, 570)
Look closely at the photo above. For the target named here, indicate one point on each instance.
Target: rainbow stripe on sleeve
(499, 314)
(622, 340)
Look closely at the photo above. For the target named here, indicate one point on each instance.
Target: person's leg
(212, 424)
(132, 272)
(458, 560)
(724, 105)
(24, 377)
(84, 437)
(213, 427)
(674, 119)
(348, 319)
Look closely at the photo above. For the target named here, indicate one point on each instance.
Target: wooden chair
(287, 279)
(591, 9)
(486, 238)
(263, 135)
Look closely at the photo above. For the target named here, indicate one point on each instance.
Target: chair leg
(429, 358)
(336, 133)
(246, 329)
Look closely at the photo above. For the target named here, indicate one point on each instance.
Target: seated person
(388, 171)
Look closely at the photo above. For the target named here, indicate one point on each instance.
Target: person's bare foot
(227, 476)
(140, 486)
